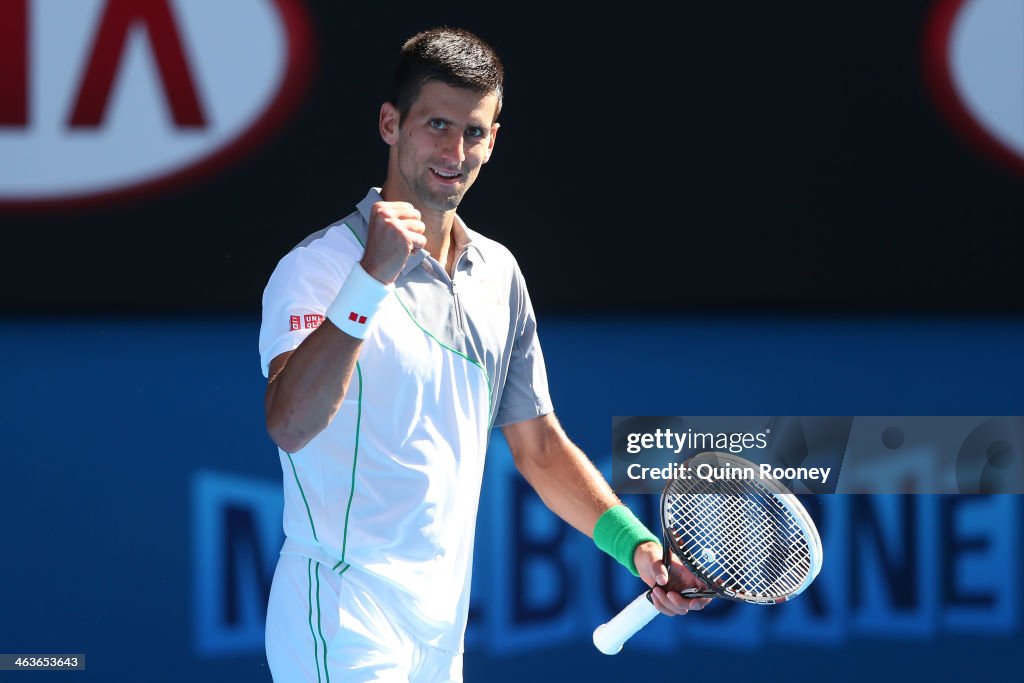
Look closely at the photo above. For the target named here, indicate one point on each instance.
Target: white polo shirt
(390, 488)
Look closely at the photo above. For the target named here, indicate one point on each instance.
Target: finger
(681, 604)
(406, 210)
(647, 570)
(397, 210)
(670, 603)
(661, 574)
(697, 604)
(686, 578)
(396, 224)
(647, 558)
(677, 601)
(417, 242)
(658, 600)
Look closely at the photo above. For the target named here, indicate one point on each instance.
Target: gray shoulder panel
(353, 221)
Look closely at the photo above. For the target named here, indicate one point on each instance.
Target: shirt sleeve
(295, 301)
(525, 395)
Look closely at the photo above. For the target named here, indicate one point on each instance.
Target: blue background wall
(141, 502)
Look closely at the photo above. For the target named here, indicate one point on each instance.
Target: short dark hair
(452, 56)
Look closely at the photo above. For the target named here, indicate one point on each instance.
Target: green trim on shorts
(319, 618)
(309, 597)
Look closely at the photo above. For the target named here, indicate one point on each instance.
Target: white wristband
(358, 301)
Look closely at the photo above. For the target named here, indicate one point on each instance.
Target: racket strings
(756, 499)
(743, 563)
(764, 544)
(751, 548)
(747, 564)
(762, 551)
(737, 512)
(750, 562)
(738, 534)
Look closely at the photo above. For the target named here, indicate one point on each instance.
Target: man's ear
(388, 123)
(490, 143)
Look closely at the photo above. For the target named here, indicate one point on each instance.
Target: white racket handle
(609, 637)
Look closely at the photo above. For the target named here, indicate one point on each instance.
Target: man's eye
(438, 124)
(475, 132)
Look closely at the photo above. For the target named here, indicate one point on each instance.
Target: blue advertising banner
(142, 503)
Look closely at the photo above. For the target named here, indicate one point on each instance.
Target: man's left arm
(572, 487)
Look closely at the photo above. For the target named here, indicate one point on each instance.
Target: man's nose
(453, 148)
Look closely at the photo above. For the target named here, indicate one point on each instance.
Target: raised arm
(307, 386)
(569, 484)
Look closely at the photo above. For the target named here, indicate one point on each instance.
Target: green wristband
(618, 532)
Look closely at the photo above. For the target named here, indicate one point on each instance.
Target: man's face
(437, 151)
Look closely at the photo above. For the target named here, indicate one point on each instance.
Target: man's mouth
(446, 175)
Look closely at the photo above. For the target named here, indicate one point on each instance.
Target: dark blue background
(109, 422)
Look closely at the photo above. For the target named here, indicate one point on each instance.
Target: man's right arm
(306, 386)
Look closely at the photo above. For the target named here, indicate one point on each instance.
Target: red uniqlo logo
(356, 318)
(310, 321)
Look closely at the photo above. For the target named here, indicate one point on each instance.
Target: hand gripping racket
(747, 539)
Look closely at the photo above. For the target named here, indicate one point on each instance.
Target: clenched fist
(395, 232)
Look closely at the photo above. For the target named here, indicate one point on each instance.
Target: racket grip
(610, 637)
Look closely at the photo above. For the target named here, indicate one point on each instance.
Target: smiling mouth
(446, 175)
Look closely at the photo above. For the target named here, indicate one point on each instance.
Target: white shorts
(323, 628)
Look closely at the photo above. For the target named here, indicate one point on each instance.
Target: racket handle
(609, 637)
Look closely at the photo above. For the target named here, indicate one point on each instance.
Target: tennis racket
(747, 539)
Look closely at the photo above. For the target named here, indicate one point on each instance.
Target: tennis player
(393, 341)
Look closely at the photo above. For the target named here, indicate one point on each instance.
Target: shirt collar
(371, 198)
(465, 239)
